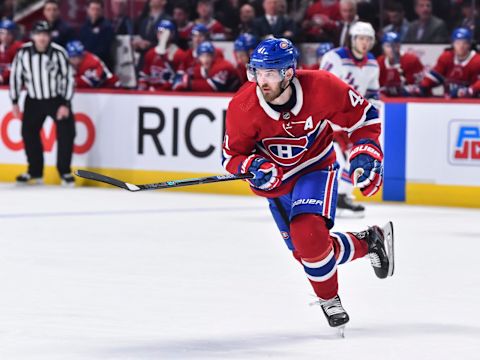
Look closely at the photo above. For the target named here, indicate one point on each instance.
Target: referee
(42, 67)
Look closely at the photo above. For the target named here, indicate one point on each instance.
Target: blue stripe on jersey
(346, 246)
(437, 76)
(371, 114)
(322, 270)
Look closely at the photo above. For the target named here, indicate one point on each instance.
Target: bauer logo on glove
(366, 170)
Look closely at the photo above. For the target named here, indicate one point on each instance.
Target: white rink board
(116, 118)
(432, 134)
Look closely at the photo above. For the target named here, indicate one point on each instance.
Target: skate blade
(389, 241)
(341, 331)
(29, 183)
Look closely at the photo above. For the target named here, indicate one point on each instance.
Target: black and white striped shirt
(45, 75)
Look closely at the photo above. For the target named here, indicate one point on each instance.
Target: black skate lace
(332, 306)
(375, 260)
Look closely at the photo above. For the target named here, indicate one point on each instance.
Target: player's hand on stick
(366, 170)
(268, 175)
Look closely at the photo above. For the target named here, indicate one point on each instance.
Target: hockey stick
(161, 185)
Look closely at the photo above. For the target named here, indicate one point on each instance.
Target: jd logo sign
(48, 135)
(464, 142)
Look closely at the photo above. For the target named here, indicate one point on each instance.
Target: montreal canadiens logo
(285, 151)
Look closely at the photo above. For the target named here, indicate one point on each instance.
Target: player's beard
(273, 91)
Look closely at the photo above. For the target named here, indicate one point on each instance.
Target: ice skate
(27, 179)
(346, 208)
(67, 180)
(380, 249)
(335, 313)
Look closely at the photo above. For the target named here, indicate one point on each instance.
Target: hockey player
(457, 69)
(210, 73)
(356, 66)
(90, 71)
(199, 34)
(399, 72)
(163, 61)
(322, 49)
(280, 130)
(8, 48)
(243, 47)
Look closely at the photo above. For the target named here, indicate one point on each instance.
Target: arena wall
(432, 146)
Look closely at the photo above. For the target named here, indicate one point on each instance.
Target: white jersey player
(357, 67)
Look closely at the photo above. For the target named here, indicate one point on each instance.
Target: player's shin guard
(313, 244)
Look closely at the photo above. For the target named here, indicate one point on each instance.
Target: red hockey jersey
(393, 77)
(93, 73)
(222, 76)
(215, 29)
(300, 140)
(6, 58)
(452, 73)
(159, 69)
(190, 60)
(242, 73)
(184, 32)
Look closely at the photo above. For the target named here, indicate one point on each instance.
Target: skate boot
(27, 179)
(68, 180)
(346, 208)
(380, 249)
(334, 311)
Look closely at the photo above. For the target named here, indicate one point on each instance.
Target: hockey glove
(366, 170)
(267, 174)
(461, 92)
(181, 82)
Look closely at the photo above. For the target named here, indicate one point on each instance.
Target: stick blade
(90, 175)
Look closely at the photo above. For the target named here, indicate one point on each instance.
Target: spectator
(90, 71)
(181, 16)
(321, 20)
(205, 17)
(368, 11)
(349, 16)
(247, 16)
(61, 32)
(397, 22)
(121, 22)
(146, 27)
(322, 49)
(428, 28)
(457, 69)
(7, 9)
(198, 35)
(209, 73)
(97, 33)
(470, 18)
(227, 12)
(272, 24)
(243, 48)
(163, 61)
(399, 73)
(8, 49)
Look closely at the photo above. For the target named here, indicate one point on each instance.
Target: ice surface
(107, 274)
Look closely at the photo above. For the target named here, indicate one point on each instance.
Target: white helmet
(362, 28)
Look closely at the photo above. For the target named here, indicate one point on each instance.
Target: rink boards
(432, 147)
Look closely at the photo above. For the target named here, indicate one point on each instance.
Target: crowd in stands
(173, 40)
